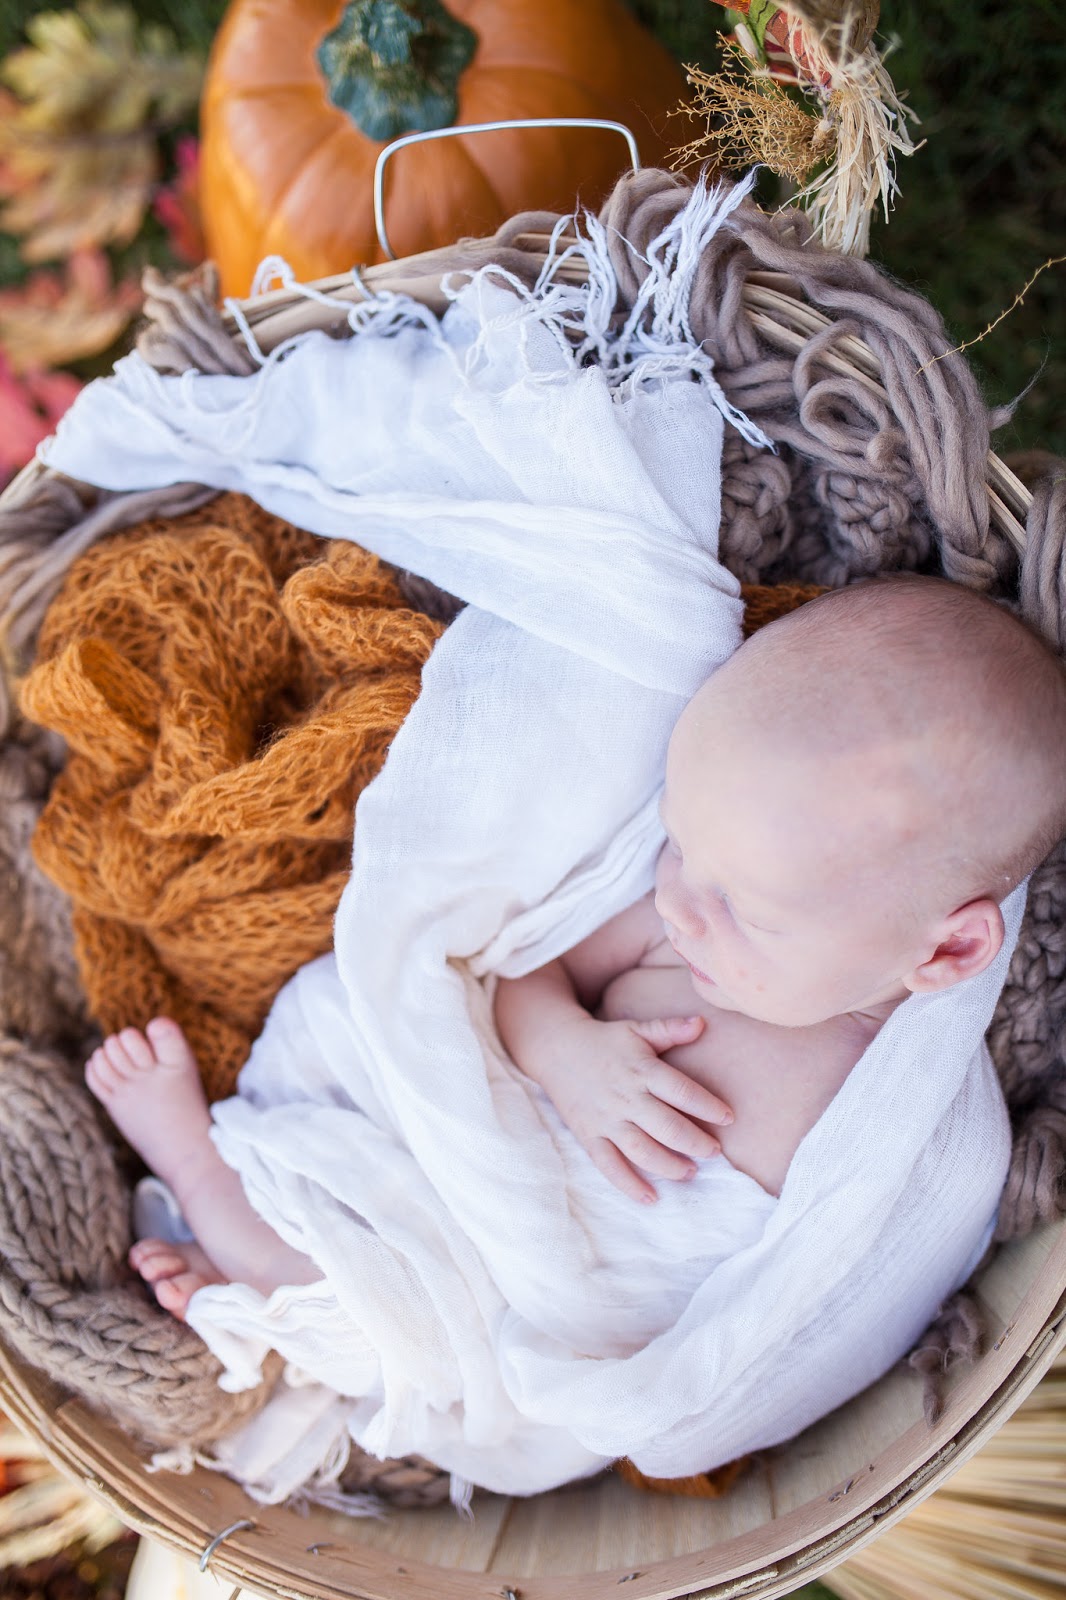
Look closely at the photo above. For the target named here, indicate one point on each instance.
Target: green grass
(983, 203)
(193, 22)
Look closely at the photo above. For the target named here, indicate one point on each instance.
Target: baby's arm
(625, 1105)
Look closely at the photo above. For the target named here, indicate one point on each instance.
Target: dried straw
(857, 126)
(42, 1512)
(995, 1531)
(756, 121)
(870, 123)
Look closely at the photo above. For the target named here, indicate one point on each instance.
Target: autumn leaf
(177, 206)
(72, 200)
(30, 407)
(78, 144)
(94, 68)
(63, 315)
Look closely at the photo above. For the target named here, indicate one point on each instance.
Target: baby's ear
(970, 941)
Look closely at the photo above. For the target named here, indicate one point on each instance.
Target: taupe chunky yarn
(881, 465)
(876, 483)
(40, 993)
(69, 1302)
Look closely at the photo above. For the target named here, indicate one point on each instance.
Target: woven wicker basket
(790, 1516)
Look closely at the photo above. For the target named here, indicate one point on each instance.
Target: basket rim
(808, 1541)
(777, 310)
(771, 299)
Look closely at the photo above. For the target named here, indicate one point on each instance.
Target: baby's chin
(712, 994)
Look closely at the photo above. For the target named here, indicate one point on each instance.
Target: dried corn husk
(41, 1512)
(857, 124)
(995, 1531)
(869, 121)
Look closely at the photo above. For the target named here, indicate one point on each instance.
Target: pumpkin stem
(394, 65)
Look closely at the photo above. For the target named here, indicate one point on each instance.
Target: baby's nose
(665, 909)
(677, 919)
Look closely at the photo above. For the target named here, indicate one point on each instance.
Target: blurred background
(982, 204)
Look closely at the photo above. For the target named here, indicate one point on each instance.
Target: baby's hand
(628, 1108)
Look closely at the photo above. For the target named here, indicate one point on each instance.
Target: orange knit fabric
(700, 1486)
(226, 685)
(765, 602)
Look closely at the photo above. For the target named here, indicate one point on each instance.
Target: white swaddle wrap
(488, 1299)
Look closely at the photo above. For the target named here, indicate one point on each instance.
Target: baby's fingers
(669, 1130)
(663, 1033)
(609, 1160)
(677, 1089)
(662, 1160)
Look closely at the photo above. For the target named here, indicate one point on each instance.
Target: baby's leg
(151, 1088)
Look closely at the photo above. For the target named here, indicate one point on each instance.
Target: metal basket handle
(482, 127)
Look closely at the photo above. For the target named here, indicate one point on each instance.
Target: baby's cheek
(738, 972)
(670, 901)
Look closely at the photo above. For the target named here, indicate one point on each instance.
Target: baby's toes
(137, 1048)
(154, 1259)
(174, 1293)
(169, 1044)
(120, 1063)
(100, 1075)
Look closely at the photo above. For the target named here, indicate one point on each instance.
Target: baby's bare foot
(152, 1089)
(174, 1271)
(150, 1086)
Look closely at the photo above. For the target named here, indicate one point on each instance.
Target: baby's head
(851, 796)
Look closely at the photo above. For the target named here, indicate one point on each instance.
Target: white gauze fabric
(488, 1299)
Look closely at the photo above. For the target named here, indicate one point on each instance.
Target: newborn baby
(847, 801)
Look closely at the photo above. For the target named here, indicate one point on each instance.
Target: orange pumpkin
(286, 171)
